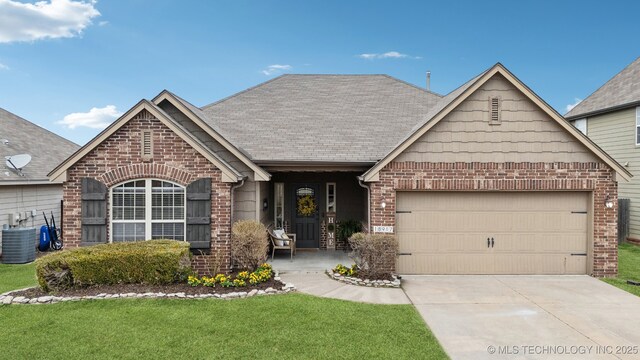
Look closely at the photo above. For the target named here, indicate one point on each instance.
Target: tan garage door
(492, 233)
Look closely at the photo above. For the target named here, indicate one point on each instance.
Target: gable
(148, 111)
(457, 97)
(525, 133)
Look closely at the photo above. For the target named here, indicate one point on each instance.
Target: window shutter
(94, 212)
(199, 213)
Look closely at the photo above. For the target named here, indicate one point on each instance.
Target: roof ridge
(36, 125)
(581, 103)
(413, 85)
(242, 92)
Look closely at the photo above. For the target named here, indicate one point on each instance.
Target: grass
(14, 277)
(628, 268)
(292, 326)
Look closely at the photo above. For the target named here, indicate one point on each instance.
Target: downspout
(362, 184)
(233, 190)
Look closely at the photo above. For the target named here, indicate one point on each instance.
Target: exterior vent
(495, 117)
(147, 145)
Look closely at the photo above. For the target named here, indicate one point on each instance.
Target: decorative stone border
(7, 298)
(395, 283)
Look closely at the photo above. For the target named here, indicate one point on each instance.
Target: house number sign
(383, 229)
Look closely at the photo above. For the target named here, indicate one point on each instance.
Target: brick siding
(118, 159)
(597, 178)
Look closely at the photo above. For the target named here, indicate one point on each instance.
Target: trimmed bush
(249, 244)
(374, 254)
(153, 262)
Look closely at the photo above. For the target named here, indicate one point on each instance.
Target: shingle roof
(47, 149)
(623, 89)
(332, 118)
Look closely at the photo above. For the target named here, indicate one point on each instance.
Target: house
(610, 117)
(488, 179)
(27, 191)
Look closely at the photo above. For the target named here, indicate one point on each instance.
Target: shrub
(347, 228)
(374, 254)
(249, 244)
(146, 262)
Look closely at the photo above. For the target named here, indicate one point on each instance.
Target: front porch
(309, 261)
(332, 194)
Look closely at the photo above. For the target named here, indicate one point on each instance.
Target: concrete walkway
(319, 284)
(528, 317)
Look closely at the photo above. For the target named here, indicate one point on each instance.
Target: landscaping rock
(20, 300)
(7, 300)
(33, 301)
(252, 292)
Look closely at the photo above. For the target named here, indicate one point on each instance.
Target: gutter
(603, 111)
(233, 190)
(362, 184)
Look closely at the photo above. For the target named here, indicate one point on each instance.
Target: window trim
(335, 197)
(148, 208)
(637, 125)
(275, 204)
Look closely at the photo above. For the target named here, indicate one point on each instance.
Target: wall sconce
(384, 203)
(608, 203)
(265, 204)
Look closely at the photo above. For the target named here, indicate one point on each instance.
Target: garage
(492, 232)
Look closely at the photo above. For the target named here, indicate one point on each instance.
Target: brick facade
(597, 178)
(118, 159)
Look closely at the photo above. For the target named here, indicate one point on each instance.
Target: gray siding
(526, 133)
(206, 139)
(265, 194)
(244, 201)
(244, 204)
(615, 134)
(30, 197)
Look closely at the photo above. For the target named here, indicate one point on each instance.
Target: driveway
(528, 317)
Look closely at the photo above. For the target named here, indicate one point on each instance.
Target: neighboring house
(611, 118)
(488, 179)
(22, 192)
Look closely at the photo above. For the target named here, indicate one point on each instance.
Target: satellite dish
(18, 162)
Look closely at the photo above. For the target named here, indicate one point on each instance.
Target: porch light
(265, 204)
(383, 204)
(608, 203)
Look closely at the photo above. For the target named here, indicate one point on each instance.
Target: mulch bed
(141, 288)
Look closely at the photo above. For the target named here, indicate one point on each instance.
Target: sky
(73, 67)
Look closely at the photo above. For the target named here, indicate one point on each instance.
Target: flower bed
(262, 281)
(262, 274)
(349, 275)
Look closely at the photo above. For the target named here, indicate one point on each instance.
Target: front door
(306, 215)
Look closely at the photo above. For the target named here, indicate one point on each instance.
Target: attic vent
(495, 117)
(147, 145)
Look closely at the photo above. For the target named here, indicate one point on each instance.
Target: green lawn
(628, 268)
(292, 326)
(17, 276)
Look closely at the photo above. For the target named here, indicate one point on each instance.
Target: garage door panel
(445, 264)
(440, 242)
(533, 232)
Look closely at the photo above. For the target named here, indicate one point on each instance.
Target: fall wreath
(306, 205)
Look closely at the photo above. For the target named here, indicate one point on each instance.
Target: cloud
(44, 19)
(387, 55)
(96, 118)
(571, 106)
(3, 67)
(276, 68)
